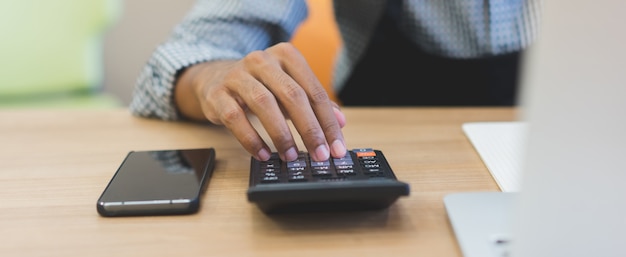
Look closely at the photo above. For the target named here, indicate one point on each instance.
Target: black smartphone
(159, 182)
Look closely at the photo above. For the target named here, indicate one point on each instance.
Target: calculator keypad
(357, 164)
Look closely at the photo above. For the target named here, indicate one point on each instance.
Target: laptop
(572, 195)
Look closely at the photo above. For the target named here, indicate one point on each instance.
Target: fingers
(230, 91)
(273, 84)
(264, 105)
(307, 103)
(231, 114)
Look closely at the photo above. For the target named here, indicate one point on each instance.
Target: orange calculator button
(363, 154)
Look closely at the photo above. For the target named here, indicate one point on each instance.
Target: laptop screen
(572, 197)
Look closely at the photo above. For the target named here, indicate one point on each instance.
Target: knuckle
(250, 141)
(262, 96)
(230, 116)
(287, 52)
(319, 95)
(256, 58)
(285, 48)
(283, 140)
(293, 91)
(330, 126)
(312, 133)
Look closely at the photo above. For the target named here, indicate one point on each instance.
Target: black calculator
(361, 180)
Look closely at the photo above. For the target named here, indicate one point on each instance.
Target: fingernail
(322, 153)
(263, 154)
(339, 148)
(291, 154)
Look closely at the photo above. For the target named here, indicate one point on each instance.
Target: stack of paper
(500, 146)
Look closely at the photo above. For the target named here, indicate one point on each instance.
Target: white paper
(500, 145)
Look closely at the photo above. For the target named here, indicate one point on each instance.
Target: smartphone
(160, 182)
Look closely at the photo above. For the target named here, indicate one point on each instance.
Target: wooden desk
(55, 164)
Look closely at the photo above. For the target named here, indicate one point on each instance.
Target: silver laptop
(572, 197)
(482, 222)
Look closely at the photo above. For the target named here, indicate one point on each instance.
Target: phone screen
(158, 182)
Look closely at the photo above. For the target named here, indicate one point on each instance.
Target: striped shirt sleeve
(212, 30)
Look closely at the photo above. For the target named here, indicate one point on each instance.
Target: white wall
(129, 43)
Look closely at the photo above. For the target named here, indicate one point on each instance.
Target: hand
(275, 85)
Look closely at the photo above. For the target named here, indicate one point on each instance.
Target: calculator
(361, 180)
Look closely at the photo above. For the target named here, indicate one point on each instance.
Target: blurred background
(129, 43)
(77, 53)
(88, 54)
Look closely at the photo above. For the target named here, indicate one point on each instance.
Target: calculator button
(371, 166)
(321, 168)
(270, 170)
(344, 167)
(271, 179)
(296, 163)
(294, 169)
(270, 174)
(346, 172)
(346, 160)
(364, 152)
(269, 164)
(297, 178)
(321, 173)
(371, 171)
(320, 164)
